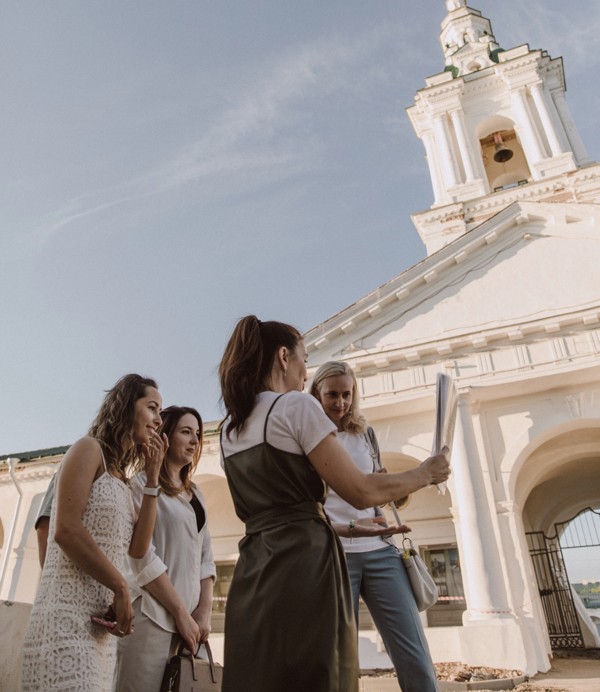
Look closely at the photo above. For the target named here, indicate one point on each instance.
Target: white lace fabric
(62, 649)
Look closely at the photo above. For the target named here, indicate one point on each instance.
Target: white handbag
(423, 587)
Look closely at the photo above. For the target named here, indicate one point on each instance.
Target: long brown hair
(247, 362)
(353, 421)
(113, 425)
(170, 417)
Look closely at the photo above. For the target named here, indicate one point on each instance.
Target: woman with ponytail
(289, 622)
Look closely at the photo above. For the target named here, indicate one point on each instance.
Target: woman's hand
(438, 467)
(189, 630)
(203, 622)
(123, 612)
(377, 526)
(154, 452)
(371, 526)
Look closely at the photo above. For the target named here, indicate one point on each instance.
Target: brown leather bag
(185, 673)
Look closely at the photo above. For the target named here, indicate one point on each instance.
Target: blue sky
(172, 166)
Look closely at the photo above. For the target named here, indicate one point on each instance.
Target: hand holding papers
(445, 417)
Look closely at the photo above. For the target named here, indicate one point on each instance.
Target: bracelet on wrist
(351, 527)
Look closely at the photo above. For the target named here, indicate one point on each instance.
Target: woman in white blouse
(172, 584)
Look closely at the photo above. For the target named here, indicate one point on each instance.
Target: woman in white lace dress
(92, 527)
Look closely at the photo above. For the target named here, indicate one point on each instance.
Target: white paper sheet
(445, 417)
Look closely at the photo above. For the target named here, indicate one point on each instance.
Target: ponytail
(246, 365)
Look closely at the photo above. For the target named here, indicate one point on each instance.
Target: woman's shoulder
(304, 417)
(289, 404)
(82, 458)
(301, 401)
(86, 443)
(87, 447)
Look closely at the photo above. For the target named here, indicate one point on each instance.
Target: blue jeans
(380, 578)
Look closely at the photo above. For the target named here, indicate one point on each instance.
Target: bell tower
(495, 125)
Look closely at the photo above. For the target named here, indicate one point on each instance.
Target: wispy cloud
(557, 31)
(267, 134)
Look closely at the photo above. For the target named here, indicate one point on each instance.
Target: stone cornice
(517, 72)
(478, 374)
(552, 328)
(416, 283)
(28, 471)
(476, 211)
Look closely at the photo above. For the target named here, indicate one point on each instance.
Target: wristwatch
(154, 492)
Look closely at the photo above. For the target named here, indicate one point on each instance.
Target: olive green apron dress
(289, 621)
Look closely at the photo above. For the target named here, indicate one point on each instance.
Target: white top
(340, 511)
(297, 424)
(177, 548)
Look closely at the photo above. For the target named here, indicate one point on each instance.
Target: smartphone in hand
(109, 624)
(107, 620)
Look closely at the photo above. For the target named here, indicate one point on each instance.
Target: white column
(480, 561)
(530, 139)
(538, 94)
(458, 120)
(564, 112)
(439, 192)
(442, 141)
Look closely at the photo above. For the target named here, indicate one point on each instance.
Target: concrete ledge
(373, 683)
(497, 684)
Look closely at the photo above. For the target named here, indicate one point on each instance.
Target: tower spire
(467, 39)
(492, 122)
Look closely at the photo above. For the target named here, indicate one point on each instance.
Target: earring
(284, 372)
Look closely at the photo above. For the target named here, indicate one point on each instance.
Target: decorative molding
(484, 362)
(26, 473)
(522, 357)
(560, 350)
(470, 368)
(507, 507)
(573, 402)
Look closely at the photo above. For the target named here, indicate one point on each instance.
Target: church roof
(520, 273)
(36, 454)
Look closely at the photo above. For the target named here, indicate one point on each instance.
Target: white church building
(507, 302)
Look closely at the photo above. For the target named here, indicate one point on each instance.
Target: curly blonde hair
(353, 421)
(113, 425)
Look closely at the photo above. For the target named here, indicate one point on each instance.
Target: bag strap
(192, 656)
(373, 445)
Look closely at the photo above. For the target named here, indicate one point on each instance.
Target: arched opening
(559, 484)
(503, 157)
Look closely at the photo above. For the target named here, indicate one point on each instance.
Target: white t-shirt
(296, 424)
(340, 511)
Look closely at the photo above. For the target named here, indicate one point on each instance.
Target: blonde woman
(374, 562)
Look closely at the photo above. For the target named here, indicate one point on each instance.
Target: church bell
(502, 153)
